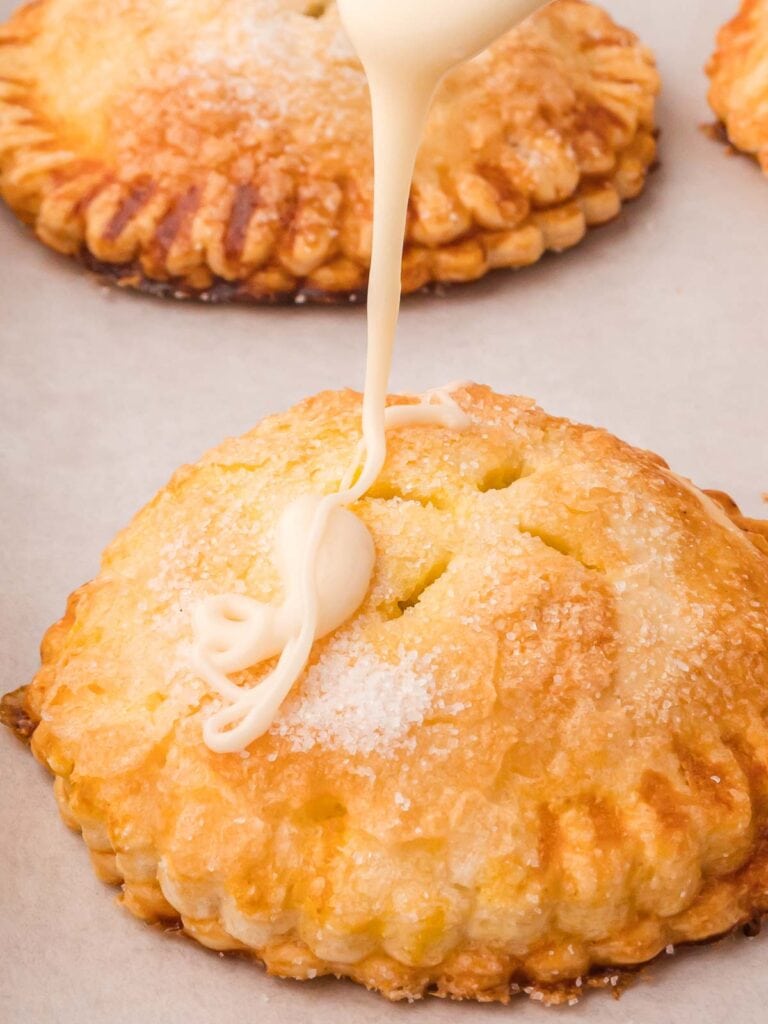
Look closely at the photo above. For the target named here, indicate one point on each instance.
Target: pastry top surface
(739, 79)
(544, 729)
(232, 138)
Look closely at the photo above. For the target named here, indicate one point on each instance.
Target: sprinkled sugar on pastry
(538, 747)
(223, 149)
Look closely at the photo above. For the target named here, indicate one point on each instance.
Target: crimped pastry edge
(220, 291)
(612, 979)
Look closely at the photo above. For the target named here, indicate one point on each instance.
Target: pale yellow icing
(324, 553)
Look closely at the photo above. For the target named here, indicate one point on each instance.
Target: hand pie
(221, 148)
(538, 752)
(739, 74)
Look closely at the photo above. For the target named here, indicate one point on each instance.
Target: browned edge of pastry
(563, 993)
(131, 276)
(15, 714)
(718, 133)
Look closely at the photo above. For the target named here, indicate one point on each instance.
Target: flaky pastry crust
(538, 751)
(739, 79)
(222, 149)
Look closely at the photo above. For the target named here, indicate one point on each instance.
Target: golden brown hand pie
(540, 746)
(221, 148)
(739, 74)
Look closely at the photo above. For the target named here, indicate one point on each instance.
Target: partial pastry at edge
(738, 72)
(539, 748)
(222, 150)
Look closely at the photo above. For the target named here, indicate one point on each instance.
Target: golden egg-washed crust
(221, 149)
(739, 79)
(581, 781)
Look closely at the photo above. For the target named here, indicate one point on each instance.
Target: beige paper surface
(656, 327)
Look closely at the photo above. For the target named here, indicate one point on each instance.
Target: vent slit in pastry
(502, 476)
(417, 593)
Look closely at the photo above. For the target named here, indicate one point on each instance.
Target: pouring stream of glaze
(324, 553)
